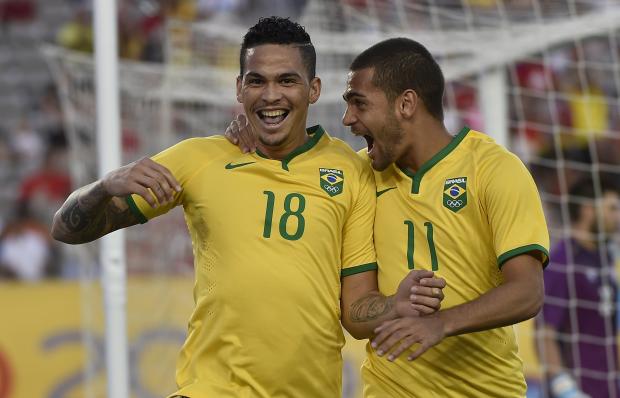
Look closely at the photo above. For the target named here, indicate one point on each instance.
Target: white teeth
(273, 113)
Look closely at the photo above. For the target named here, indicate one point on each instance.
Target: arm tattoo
(90, 213)
(371, 307)
(75, 218)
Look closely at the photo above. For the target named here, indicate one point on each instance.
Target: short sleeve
(358, 250)
(178, 160)
(513, 209)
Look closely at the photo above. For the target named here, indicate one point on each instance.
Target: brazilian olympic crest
(332, 181)
(455, 193)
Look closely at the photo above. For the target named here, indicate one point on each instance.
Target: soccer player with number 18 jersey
(286, 210)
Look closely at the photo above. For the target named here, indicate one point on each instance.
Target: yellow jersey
(464, 213)
(271, 241)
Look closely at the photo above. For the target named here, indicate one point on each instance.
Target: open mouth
(272, 117)
(369, 142)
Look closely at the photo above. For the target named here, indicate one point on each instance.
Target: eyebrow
(347, 96)
(253, 74)
(290, 74)
(281, 76)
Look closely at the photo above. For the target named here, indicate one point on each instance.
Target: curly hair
(278, 30)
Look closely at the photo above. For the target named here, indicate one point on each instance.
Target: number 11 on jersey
(429, 239)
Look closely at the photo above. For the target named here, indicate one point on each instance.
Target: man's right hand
(419, 293)
(240, 133)
(138, 178)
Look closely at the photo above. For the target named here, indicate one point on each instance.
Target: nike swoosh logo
(379, 193)
(231, 166)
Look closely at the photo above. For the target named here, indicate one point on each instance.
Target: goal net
(540, 76)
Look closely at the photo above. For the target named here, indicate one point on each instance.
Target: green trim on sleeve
(135, 210)
(521, 250)
(358, 269)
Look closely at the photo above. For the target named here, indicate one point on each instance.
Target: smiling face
(275, 91)
(370, 115)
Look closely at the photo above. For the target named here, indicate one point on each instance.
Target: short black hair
(401, 64)
(279, 30)
(583, 190)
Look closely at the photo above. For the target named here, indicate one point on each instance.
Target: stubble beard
(393, 135)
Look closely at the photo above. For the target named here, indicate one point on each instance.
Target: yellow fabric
(267, 315)
(501, 218)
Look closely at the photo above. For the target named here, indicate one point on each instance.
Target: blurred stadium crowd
(564, 113)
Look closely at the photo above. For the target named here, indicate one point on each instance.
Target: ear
(407, 103)
(315, 90)
(239, 84)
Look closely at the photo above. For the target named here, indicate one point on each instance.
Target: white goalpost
(112, 255)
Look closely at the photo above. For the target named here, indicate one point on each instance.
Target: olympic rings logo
(454, 203)
(331, 188)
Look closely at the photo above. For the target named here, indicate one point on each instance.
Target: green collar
(417, 177)
(315, 133)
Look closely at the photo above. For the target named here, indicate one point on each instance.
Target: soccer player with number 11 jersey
(459, 205)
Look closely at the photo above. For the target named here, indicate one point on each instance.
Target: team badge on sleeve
(455, 193)
(332, 181)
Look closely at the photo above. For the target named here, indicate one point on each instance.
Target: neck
(425, 141)
(280, 151)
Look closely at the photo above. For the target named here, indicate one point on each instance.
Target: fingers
(247, 134)
(425, 305)
(159, 185)
(154, 182)
(244, 140)
(231, 133)
(240, 133)
(433, 282)
(426, 300)
(388, 344)
(422, 310)
(170, 179)
(423, 291)
(153, 185)
(159, 179)
(418, 274)
(144, 193)
(398, 335)
(242, 119)
(419, 351)
(384, 326)
(405, 344)
(387, 335)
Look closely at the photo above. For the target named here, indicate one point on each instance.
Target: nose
(348, 119)
(271, 93)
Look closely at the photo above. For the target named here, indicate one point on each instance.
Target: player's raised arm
(100, 208)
